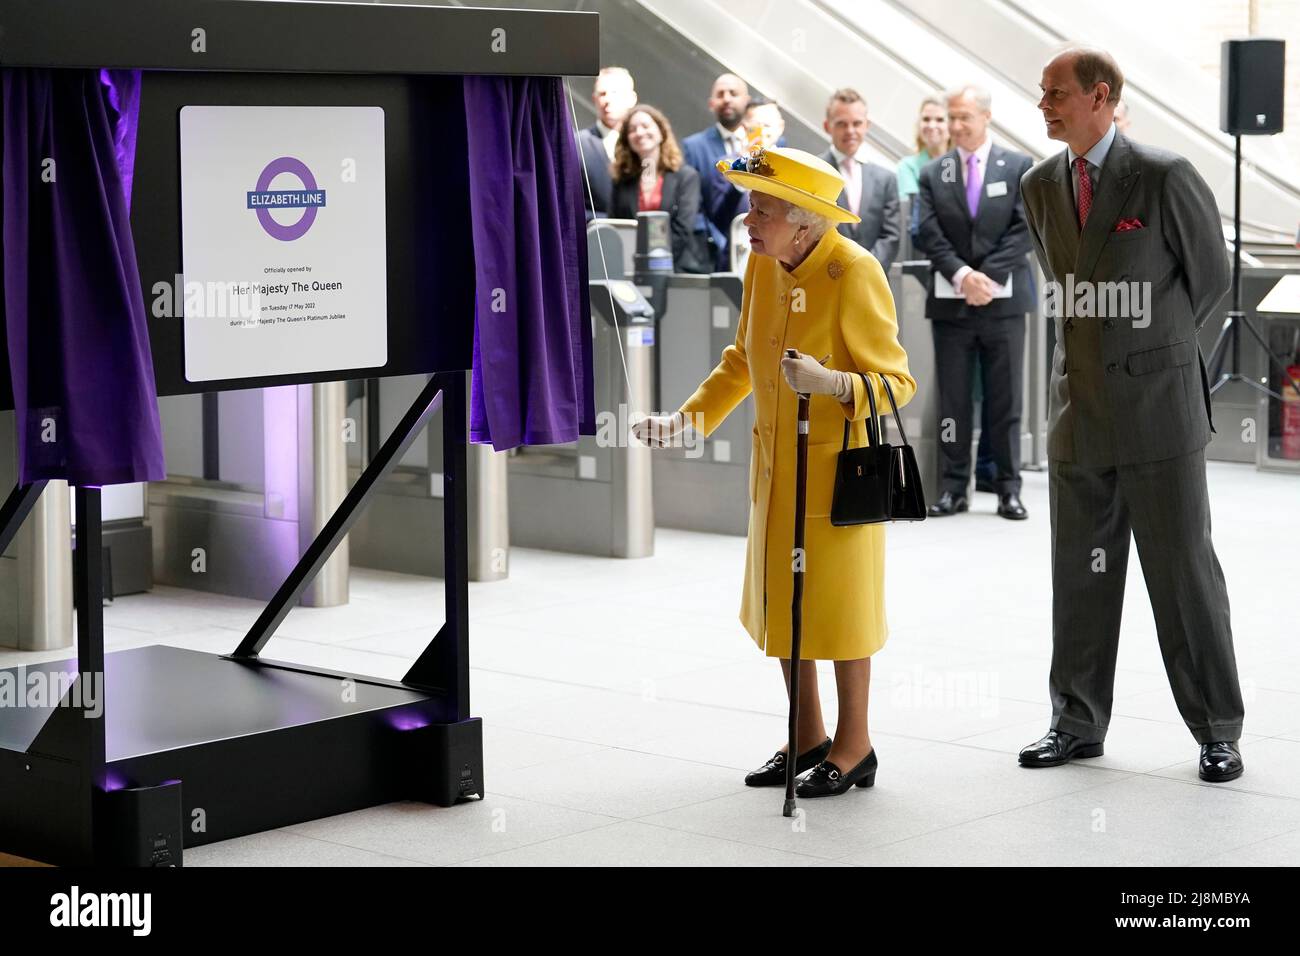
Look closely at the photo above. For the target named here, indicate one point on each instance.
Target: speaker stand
(1230, 334)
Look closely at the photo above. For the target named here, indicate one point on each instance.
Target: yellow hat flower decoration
(794, 175)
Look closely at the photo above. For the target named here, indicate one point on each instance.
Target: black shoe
(1009, 506)
(1057, 748)
(772, 773)
(1221, 761)
(949, 504)
(985, 484)
(827, 780)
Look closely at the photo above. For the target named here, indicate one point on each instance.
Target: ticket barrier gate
(702, 485)
(611, 248)
(738, 246)
(909, 280)
(36, 568)
(256, 474)
(411, 496)
(594, 496)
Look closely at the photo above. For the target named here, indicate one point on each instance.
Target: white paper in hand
(943, 288)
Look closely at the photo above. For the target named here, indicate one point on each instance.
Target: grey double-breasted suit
(1129, 419)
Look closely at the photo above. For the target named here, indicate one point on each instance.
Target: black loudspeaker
(1252, 80)
(446, 764)
(140, 826)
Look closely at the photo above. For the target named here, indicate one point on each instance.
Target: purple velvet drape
(78, 339)
(532, 377)
(123, 88)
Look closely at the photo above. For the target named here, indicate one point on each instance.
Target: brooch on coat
(835, 268)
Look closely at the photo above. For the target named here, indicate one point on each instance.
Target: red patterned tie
(1085, 190)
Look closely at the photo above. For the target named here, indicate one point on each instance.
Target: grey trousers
(1165, 507)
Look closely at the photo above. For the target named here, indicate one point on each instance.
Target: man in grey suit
(871, 190)
(1130, 241)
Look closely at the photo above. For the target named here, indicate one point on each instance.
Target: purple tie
(972, 185)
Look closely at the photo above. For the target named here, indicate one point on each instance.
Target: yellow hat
(793, 175)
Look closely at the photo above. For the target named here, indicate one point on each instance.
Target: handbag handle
(875, 429)
(898, 422)
(873, 421)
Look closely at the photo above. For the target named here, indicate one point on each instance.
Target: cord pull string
(604, 265)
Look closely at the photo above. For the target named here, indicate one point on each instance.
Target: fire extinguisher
(1291, 416)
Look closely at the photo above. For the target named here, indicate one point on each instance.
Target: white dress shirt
(1095, 158)
(734, 141)
(852, 177)
(981, 159)
(608, 137)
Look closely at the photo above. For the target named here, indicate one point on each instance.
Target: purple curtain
(79, 360)
(123, 88)
(532, 378)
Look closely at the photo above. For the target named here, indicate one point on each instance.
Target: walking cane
(796, 606)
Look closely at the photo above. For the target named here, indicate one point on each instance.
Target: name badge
(997, 189)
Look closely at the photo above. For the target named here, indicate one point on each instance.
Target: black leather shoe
(772, 773)
(827, 780)
(1221, 761)
(1009, 506)
(985, 484)
(949, 504)
(1057, 748)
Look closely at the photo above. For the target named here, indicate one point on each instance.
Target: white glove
(658, 431)
(809, 377)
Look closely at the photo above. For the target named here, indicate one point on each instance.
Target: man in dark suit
(613, 95)
(972, 226)
(1130, 241)
(870, 190)
(726, 138)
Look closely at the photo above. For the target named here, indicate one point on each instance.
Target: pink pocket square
(1128, 225)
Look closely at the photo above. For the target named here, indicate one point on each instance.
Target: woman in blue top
(931, 143)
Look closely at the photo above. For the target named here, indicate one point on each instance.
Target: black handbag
(877, 482)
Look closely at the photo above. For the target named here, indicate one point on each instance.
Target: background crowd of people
(634, 162)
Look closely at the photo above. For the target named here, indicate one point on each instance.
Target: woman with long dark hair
(650, 174)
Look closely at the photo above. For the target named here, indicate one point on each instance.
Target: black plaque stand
(237, 743)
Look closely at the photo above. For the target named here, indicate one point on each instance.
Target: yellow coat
(848, 313)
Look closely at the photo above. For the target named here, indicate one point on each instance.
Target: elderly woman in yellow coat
(810, 288)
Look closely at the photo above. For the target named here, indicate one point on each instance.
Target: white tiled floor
(622, 703)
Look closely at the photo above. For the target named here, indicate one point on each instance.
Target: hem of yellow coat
(759, 640)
